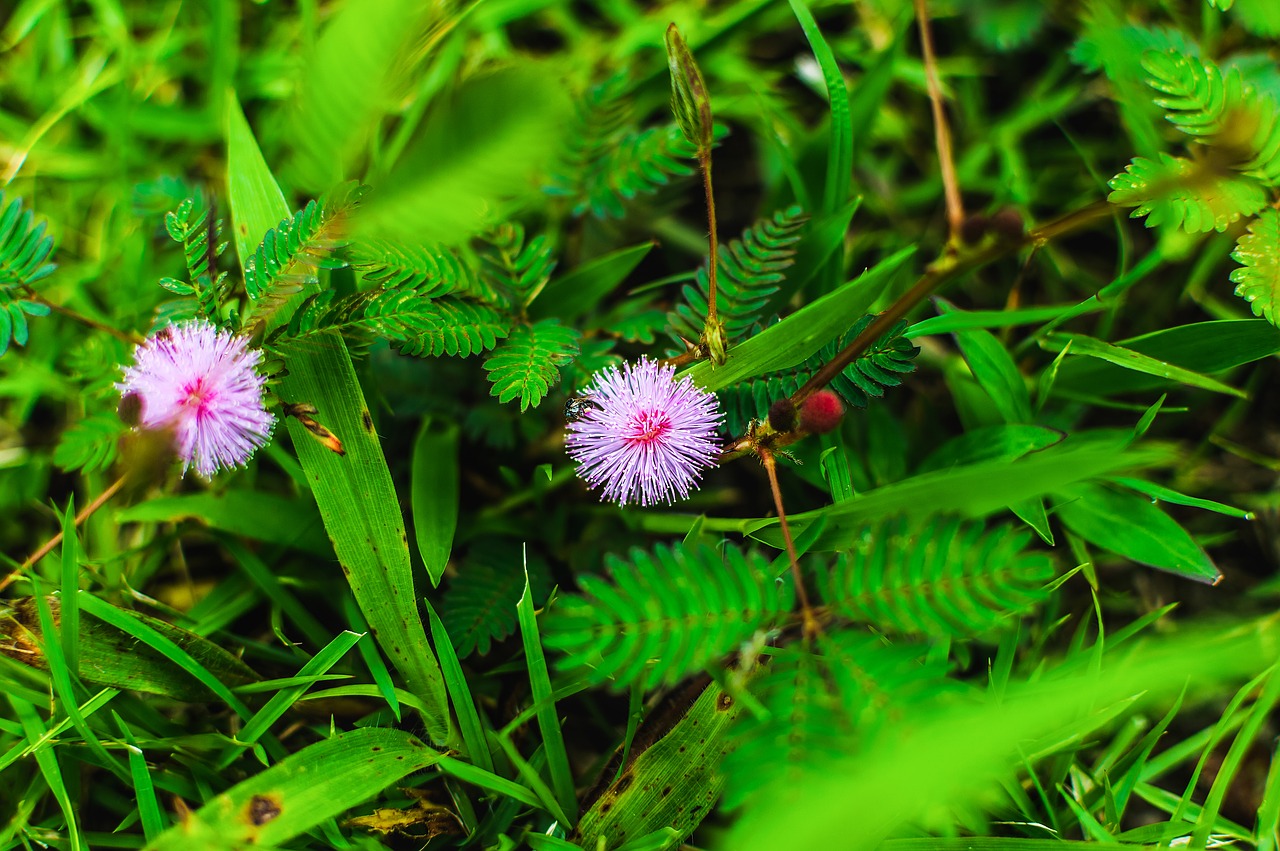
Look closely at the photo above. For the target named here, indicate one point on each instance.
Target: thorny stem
(771, 468)
(85, 514)
(941, 130)
(946, 268)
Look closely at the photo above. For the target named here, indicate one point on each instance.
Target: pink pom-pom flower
(645, 437)
(203, 384)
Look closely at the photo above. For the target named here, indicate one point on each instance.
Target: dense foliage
(984, 554)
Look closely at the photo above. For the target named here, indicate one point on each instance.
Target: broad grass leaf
(349, 81)
(475, 153)
(301, 791)
(803, 332)
(435, 495)
(1203, 347)
(1133, 526)
(368, 533)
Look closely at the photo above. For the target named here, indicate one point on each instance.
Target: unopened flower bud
(1007, 224)
(782, 415)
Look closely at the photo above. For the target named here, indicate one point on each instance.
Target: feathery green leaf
(665, 614)
(751, 268)
(526, 365)
(1186, 194)
(1258, 278)
(480, 602)
(938, 576)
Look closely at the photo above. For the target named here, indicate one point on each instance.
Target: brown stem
(941, 130)
(85, 514)
(704, 159)
(131, 339)
(771, 469)
(946, 268)
(685, 358)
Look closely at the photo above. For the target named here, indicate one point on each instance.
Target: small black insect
(576, 407)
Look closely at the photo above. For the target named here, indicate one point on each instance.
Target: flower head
(646, 437)
(201, 383)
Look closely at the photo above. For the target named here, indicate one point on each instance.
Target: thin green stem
(704, 159)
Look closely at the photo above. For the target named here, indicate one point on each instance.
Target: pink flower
(201, 382)
(644, 436)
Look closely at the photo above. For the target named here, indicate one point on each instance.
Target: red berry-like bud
(821, 412)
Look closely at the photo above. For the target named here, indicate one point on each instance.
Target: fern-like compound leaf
(880, 367)
(1258, 278)
(199, 234)
(664, 614)
(480, 603)
(820, 701)
(24, 249)
(91, 444)
(751, 268)
(419, 326)
(1196, 93)
(610, 161)
(527, 364)
(805, 729)
(24, 255)
(1241, 125)
(1186, 194)
(428, 271)
(939, 576)
(287, 258)
(13, 319)
(517, 269)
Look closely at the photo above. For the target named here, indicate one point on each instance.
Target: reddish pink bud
(821, 412)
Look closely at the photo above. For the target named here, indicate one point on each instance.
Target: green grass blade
(355, 494)
(544, 700)
(52, 774)
(280, 702)
(104, 611)
(265, 517)
(840, 148)
(266, 579)
(973, 490)
(1269, 811)
(70, 610)
(476, 776)
(460, 694)
(144, 790)
(1138, 362)
(578, 291)
(306, 788)
(1259, 713)
(435, 495)
(803, 332)
(403, 697)
(63, 685)
(546, 797)
(372, 658)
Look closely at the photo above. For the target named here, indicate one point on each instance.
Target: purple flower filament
(646, 438)
(202, 383)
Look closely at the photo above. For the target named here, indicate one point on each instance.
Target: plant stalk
(47, 547)
(767, 458)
